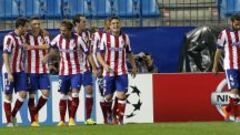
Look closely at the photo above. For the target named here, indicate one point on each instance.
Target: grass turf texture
(187, 128)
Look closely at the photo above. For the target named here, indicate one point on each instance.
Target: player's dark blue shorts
(19, 83)
(233, 78)
(38, 82)
(87, 78)
(68, 82)
(115, 83)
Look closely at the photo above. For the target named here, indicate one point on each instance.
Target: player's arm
(7, 65)
(100, 54)
(93, 65)
(52, 53)
(217, 57)
(44, 46)
(131, 57)
(6, 55)
(87, 51)
(132, 61)
(221, 41)
(39, 47)
(46, 42)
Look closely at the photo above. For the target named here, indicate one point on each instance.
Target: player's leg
(21, 90)
(75, 85)
(44, 86)
(100, 87)
(108, 86)
(32, 88)
(64, 86)
(69, 103)
(8, 90)
(121, 89)
(233, 78)
(88, 85)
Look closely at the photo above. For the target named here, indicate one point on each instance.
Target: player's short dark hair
(67, 24)
(114, 18)
(21, 22)
(35, 18)
(76, 18)
(235, 16)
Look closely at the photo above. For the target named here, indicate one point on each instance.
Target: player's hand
(107, 68)
(100, 71)
(215, 70)
(95, 72)
(10, 77)
(44, 60)
(27, 47)
(134, 72)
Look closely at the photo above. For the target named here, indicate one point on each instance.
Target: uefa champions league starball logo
(134, 102)
(220, 98)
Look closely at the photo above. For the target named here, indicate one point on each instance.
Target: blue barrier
(164, 43)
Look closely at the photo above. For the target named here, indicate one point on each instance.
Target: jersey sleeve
(221, 40)
(7, 44)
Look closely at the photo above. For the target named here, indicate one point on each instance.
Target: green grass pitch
(187, 128)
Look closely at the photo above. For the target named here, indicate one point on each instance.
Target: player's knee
(31, 95)
(108, 98)
(63, 96)
(75, 94)
(8, 97)
(22, 94)
(45, 93)
(235, 91)
(89, 91)
(121, 95)
(74, 90)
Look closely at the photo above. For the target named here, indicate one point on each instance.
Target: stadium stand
(149, 8)
(50, 9)
(9, 9)
(228, 7)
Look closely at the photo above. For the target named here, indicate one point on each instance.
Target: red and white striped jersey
(86, 36)
(95, 44)
(34, 57)
(13, 45)
(229, 41)
(115, 49)
(70, 53)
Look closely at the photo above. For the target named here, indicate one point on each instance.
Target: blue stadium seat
(2, 9)
(228, 7)
(72, 7)
(30, 7)
(88, 8)
(101, 8)
(124, 8)
(10, 9)
(149, 8)
(52, 8)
